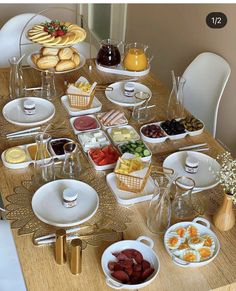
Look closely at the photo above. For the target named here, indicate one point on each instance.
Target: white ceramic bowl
(145, 249)
(202, 230)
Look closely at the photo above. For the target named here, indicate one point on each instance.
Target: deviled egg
(173, 240)
(191, 256)
(196, 242)
(205, 253)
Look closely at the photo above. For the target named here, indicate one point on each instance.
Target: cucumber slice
(146, 153)
(139, 150)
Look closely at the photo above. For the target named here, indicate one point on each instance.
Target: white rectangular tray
(29, 160)
(144, 159)
(111, 126)
(99, 130)
(127, 198)
(78, 131)
(171, 137)
(125, 126)
(101, 168)
(96, 107)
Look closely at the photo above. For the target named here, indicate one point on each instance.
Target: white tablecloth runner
(11, 277)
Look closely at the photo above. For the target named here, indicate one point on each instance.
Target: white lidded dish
(70, 197)
(203, 230)
(29, 107)
(72, 119)
(129, 89)
(144, 245)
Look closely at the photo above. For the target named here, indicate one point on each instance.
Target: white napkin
(72, 89)
(11, 277)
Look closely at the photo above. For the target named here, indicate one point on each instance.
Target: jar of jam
(109, 54)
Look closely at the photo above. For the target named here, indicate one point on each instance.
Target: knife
(2, 209)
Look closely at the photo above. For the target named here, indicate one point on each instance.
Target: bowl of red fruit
(104, 158)
(130, 264)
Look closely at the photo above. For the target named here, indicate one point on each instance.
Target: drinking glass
(71, 167)
(44, 170)
(48, 85)
(140, 111)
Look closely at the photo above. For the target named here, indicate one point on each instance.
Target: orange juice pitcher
(135, 57)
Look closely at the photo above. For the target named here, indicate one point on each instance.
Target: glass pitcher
(71, 167)
(16, 83)
(175, 107)
(109, 54)
(159, 211)
(44, 170)
(135, 57)
(182, 206)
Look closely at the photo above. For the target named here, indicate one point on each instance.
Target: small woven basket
(81, 101)
(131, 183)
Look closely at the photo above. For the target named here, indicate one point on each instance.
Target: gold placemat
(110, 218)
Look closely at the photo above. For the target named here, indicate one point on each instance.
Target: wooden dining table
(41, 273)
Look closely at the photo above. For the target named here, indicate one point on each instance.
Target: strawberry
(60, 32)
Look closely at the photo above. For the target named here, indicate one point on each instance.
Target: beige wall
(177, 33)
(7, 11)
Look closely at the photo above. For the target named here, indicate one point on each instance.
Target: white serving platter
(110, 126)
(128, 198)
(72, 119)
(95, 107)
(99, 130)
(50, 209)
(29, 160)
(203, 229)
(206, 176)
(109, 130)
(14, 113)
(120, 70)
(117, 96)
(170, 137)
(32, 65)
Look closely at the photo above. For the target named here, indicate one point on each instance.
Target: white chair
(10, 37)
(206, 78)
(84, 49)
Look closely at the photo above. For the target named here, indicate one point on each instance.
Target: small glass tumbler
(71, 167)
(140, 111)
(48, 85)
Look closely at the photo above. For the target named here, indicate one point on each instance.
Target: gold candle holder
(76, 256)
(60, 246)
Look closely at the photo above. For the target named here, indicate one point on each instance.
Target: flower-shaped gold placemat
(110, 218)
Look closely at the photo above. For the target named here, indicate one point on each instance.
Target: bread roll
(46, 51)
(75, 51)
(76, 59)
(65, 54)
(47, 62)
(65, 65)
(35, 58)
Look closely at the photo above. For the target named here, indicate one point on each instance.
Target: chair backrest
(10, 37)
(84, 48)
(206, 78)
